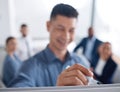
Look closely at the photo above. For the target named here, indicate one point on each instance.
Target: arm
(78, 46)
(26, 76)
(9, 70)
(12, 68)
(107, 72)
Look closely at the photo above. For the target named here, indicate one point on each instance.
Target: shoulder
(37, 59)
(33, 65)
(9, 63)
(75, 57)
(85, 38)
(20, 39)
(98, 41)
(7, 59)
(80, 59)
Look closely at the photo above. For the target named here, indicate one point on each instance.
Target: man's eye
(71, 31)
(60, 29)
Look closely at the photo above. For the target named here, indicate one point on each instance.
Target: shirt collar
(51, 56)
(26, 38)
(93, 38)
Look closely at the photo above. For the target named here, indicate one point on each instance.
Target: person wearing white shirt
(25, 44)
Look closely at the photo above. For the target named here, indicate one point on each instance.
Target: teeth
(63, 41)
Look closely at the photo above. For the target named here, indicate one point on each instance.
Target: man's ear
(48, 25)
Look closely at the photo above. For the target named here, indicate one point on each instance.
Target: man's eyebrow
(60, 26)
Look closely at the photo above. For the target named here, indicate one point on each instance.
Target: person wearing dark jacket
(89, 44)
(103, 64)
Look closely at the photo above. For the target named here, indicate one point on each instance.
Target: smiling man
(49, 67)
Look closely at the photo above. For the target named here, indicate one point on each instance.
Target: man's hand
(74, 75)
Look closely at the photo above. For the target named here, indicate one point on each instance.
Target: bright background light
(78, 4)
(36, 12)
(107, 22)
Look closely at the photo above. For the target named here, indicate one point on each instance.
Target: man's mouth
(62, 42)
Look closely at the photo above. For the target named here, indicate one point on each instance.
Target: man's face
(107, 49)
(61, 31)
(12, 45)
(90, 32)
(24, 31)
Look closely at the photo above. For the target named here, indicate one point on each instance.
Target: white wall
(36, 12)
(7, 20)
(107, 22)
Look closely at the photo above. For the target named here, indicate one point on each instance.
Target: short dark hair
(9, 39)
(23, 25)
(65, 10)
(90, 28)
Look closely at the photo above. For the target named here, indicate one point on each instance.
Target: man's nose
(66, 35)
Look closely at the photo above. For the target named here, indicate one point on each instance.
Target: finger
(78, 74)
(72, 81)
(84, 70)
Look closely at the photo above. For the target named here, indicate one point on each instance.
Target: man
(104, 65)
(89, 44)
(50, 67)
(12, 63)
(25, 47)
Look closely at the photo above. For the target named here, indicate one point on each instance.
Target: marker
(67, 67)
(92, 81)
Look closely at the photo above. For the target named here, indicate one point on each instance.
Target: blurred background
(103, 15)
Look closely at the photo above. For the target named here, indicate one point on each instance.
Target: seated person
(89, 44)
(11, 63)
(50, 66)
(103, 65)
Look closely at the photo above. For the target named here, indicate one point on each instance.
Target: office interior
(102, 15)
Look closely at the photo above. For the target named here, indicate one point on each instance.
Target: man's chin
(62, 48)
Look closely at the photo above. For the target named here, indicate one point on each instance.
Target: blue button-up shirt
(11, 67)
(43, 69)
(89, 48)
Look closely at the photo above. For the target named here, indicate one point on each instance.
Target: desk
(99, 88)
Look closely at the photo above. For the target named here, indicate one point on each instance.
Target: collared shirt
(43, 69)
(11, 67)
(100, 66)
(89, 47)
(25, 48)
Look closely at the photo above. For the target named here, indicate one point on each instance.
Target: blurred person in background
(104, 66)
(11, 63)
(89, 45)
(25, 44)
